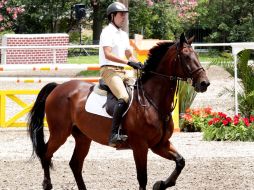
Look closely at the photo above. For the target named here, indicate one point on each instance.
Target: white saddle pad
(95, 103)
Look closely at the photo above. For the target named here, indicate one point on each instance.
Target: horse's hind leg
(57, 138)
(168, 151)
(81, 149)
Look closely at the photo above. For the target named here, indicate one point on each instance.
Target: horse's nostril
(205, 83)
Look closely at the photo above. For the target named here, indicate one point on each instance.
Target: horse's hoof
(47, 185)
(159, 185)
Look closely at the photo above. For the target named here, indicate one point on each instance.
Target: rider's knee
(125, 98)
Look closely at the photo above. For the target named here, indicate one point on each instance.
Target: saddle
(101, 101)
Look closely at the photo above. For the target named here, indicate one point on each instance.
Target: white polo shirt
(115, 38)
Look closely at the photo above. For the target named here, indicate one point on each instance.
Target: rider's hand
(135, 65)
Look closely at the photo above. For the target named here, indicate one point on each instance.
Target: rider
(114, 53)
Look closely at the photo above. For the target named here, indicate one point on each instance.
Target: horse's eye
(185, 50)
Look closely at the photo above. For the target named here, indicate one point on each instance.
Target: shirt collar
(114, 27)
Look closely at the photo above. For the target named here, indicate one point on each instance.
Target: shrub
(223, 128)
(186, 96)
(218, 126)
(194, 120)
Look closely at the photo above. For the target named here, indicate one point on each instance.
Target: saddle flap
(103, 86)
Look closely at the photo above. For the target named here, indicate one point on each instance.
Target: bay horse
(148, 123)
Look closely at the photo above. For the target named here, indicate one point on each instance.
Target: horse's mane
(154, 57)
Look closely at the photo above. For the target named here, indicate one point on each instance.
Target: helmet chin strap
(113, 21)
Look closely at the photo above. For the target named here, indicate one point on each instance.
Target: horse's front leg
(140, 151)
(167, 150)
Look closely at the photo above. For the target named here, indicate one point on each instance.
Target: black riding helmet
(114, 8)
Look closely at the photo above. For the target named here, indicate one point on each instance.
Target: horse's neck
(161, 91)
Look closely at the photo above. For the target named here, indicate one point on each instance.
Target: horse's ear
(191, 40)
(183, 39)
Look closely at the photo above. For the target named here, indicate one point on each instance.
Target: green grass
(92, 59)
(207, 58)
(89, 73)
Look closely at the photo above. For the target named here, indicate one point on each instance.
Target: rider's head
(116, 13)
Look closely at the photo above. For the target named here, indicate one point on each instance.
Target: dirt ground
(209, 165)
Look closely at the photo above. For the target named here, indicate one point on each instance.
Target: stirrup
(117, 139)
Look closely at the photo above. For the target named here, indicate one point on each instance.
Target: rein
(166, 116)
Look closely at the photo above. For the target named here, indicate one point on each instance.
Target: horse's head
(188, 65)
(176, 61)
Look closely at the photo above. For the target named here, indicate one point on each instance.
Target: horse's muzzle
(201, 86)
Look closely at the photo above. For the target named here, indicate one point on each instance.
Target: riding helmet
(116, 7)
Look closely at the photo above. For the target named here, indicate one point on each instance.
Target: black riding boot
(119, 110)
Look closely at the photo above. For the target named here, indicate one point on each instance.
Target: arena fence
(25, 107)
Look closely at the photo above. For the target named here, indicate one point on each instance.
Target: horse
(148, 122)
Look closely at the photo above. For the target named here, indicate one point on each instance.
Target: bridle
(186, 67)
(189, 79)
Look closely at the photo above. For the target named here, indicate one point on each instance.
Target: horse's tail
(36, 123)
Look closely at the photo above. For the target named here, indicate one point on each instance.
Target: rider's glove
(137, 65)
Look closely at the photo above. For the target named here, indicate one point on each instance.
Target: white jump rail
(46, 79)
(48, 67)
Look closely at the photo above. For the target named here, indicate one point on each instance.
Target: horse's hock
(141, 48)
(15, 54)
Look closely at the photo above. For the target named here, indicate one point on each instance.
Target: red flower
(216, 120)
(210, 122)
(225, 122)
(229, 119)
(236, 120)
(208, 110)
(252, 119)
(196, 112)
(187, 117)
(222, 115)
(246, 121)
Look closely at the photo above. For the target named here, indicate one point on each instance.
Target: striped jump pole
(48, 67)
(46, 79)
(51, 67)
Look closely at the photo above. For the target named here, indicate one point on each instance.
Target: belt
(113, 66)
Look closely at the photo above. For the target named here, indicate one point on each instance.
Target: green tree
(46, 16)
(9, 13)
(228, 20)
(159, 21)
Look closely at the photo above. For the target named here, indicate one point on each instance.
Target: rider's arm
(129, 55)
(110, 56)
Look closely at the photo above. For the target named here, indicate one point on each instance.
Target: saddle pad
(95, 103)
